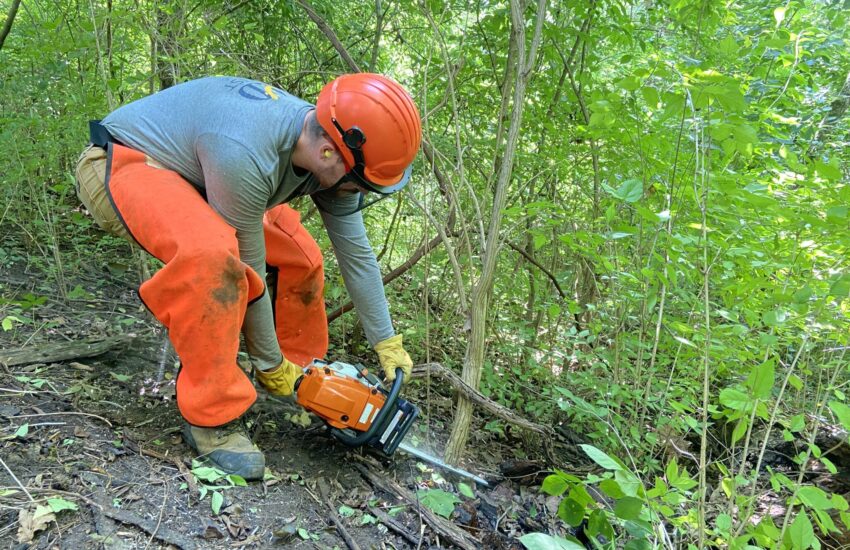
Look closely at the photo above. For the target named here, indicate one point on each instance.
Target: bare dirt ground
(93, 457)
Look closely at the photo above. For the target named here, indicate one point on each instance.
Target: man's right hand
(281, 379)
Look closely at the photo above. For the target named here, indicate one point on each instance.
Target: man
(199, 176)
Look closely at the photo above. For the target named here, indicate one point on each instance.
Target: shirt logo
(254, 90)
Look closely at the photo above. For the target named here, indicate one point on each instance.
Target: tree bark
(328, 31)
(10, 18)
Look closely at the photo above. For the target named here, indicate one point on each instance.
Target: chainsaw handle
(380, 421)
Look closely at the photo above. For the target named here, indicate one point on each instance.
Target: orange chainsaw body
(341, 400)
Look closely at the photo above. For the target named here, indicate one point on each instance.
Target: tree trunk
(481, 293)
(7, 26)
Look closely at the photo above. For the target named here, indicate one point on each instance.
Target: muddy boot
(228, 447)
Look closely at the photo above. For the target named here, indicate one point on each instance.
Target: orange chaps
(202, 292)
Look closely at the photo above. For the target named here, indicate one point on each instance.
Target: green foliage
(214, 481)
(439, 501)
(678, 202)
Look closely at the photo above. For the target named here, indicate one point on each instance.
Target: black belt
(99, 135)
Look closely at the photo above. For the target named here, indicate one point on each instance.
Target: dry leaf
(80, 366)
(304, 420)
(29, 523)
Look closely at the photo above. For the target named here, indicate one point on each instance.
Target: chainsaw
(359, 411)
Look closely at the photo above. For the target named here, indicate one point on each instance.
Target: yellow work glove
(281, 379)
(392, 356)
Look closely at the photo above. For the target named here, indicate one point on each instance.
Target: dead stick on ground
(149, 526)
(343, 532)
(442, 527)
(62, 351)
(15, 478)
(67, 413)
(393, 524)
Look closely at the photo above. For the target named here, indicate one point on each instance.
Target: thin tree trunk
(481, 293)
(10, 18)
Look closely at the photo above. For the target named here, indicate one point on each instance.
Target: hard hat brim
(390, 189)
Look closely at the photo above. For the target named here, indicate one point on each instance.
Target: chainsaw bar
(421, 455)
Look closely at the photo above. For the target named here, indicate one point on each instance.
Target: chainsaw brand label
(367, 412)
(391, 427)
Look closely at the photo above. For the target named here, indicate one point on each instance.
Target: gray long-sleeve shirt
(233, 139)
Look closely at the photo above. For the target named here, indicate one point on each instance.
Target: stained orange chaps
(202, 292)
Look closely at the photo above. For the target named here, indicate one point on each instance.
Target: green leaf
(598, 524)
(740, 430)
(465, 490)
(842, 413)
(368, 519)
(761, 380)
(628, 508)
(571, 512)
(208, 474)
(775, 318)
(542, 541)
(346, 511)
(216, 502)
(6, 323)
(779, 15)
(829, 171)
(723, 522)
(628, 482)
(672, 471)
(840, 288)
(22, 430)
(237, 480)
(439, 501)
(58, 504)
(631, 190)
(814, 498)
(600, 457)
(734, 399)
(579, 494)
(120, 377)
(303, 533)
(837, 214)
(554, 485)
(801, 534)
(611, 488)
(827, 463)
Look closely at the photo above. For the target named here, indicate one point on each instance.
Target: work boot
(228, 447)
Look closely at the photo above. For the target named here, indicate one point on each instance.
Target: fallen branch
(62, 351)
(149, 526)
(343, 532)
(444, 528)
(393, 525)
(489, 405)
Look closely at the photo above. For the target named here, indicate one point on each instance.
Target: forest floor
(93, 455)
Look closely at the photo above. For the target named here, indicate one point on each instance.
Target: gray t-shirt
(233, 139)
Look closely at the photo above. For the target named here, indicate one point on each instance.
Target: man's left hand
(392, 356)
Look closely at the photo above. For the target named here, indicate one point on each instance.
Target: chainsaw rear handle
(379, 424)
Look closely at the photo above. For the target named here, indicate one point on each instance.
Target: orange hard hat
(375, 126)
